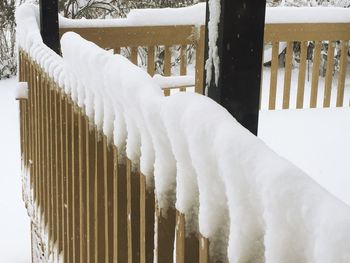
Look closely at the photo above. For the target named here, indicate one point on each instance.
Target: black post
(49, 24)
(240, 47)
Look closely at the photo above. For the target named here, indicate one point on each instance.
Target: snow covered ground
(14, 222)
(316, 140)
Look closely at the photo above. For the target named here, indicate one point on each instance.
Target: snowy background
(14, 221)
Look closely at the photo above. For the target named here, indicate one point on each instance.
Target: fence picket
(166, 221)
(150, 60)
(342, 72)
(301, 75)
(167, 66)
(329, 75)
(273, 77)
(183, 62)
(287, 75)
(203, 250)
(315, 74)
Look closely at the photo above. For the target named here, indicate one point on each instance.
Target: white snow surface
(14, 221)
(195, 15)
(319, 147)
(192, 15)
(262, 206)
(320, 14)
(22, 90)
(174, 81)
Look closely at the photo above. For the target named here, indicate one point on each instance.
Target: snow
(195, 15)
(14, 221)
(174, 81)
(319, 147)
(192, 15)
(275, 15)
(22, 91)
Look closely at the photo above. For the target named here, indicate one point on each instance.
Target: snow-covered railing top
(195, 15)
(243, 195)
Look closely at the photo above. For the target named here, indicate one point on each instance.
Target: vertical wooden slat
(69, 173)
(150, 60)
(32, 124)
(287, 75)
(49, 140)
(342, 72)
(134, 51)
(116, 50)
(37, 146)
(35, 142)
(167, 66)
(273, 77)
(58, 170)
(76, 183)
(54, 165)
(301, 76)
(122, 206)
(187, 245)
(180, 237)
(142, 218)
(45, 160)
(146, 221)
(90, 186)
(315, 74)
(40, 145)
(99, 201)
(105, 197)
(115, 205)
(166, 234)
(82, 185)
(110, 204)
(329, 75)
(203, 250)
(183, 62)
(64, 153)
(200, 61)
(133, 211)
(56, 179)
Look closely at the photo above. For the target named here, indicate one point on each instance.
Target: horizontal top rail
(107, 37)
(306, 32)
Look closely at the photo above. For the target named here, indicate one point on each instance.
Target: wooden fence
(304, 33)
(169, 36)
(95, 206)
(150, 37)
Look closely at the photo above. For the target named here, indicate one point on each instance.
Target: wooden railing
(169, 36)
(96, 208)
(304, 33)
(150, 37)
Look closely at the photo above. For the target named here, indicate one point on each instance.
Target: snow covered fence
(313, 75)
(105, 151)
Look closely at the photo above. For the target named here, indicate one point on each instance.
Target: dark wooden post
(240, 47)
(49, 24)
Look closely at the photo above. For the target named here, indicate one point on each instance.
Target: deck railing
(303, 34)
(277, 88)
(90, 199)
